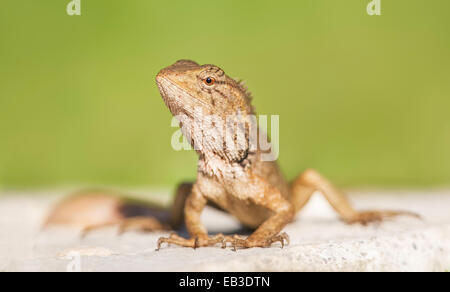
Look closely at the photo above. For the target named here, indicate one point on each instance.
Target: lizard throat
(215, 166)
(231, 145)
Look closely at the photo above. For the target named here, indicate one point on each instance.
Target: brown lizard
(234, 179)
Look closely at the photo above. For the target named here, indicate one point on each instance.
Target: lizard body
(237, 180)
(234, 179)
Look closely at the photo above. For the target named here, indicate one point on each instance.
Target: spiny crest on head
(244, 88)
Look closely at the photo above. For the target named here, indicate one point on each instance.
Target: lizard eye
(209, 81)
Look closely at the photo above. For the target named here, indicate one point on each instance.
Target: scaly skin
(235, 180)
(238, 181)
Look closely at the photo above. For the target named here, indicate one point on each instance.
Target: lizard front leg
(194, 205)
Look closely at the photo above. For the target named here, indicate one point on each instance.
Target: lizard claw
(194, 242)
(282, 238)
(231, 239)
(366, 217)
(239, 242)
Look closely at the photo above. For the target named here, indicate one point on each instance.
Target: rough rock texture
(319, 242)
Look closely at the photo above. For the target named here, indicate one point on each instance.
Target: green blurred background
(364, 99)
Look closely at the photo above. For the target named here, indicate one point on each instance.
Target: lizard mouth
(170, 93)
(175, 96)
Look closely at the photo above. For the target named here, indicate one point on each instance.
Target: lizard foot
(194, 242)
(88, 229)
(366, 217)
(144, 224)
(239, 242)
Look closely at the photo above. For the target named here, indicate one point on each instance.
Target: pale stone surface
(319, 242)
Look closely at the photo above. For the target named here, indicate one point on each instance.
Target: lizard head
(203, 94)
(187, 85)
